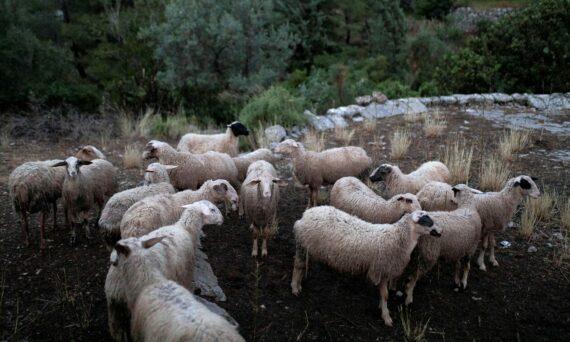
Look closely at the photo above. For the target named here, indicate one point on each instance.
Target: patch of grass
(412, 117)
(143, 125)
(172, 128)
(369, 125)
(458, 156)
(434, 126)
(276, 105)
(565, 214)
(543, 206)
(258, 138)
(132, 158)
(314, 141)
(529, 220)
(105, 139)
(513, 141)
(343, 134)
(401, 141)
(5, 136)
(413, 331)
(494, 174)
(127, 125)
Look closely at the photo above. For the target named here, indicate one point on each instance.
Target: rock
(275, 133)
(412, 105)
(537, 101)
(488, 98)
(532, 249)
(520, 98)
(363, 100)
(559, 101)
(379, 97)
(357, 118)
(448, 100)
(463, 99)
(558, 236)
(338, 121)
(502, 98)
(347, 111)
(505, 244)
(476, 99)
(320, 123)
(426, 100)
(205, 280)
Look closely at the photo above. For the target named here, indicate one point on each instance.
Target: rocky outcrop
(466, 19)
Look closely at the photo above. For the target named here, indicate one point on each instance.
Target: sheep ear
(525, 184)
(151, 242)
(455, 191)
(221, 188)
(254, 182)
(122, 249)
(534, 178)
(83, 162)
(63, 163)
(170, 167)
(401, 198)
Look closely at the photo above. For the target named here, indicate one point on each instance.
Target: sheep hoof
(494, 262)
(409, 300)
(254, 254)
(483, 268)
(388, 321)
(296, 290)
(264, 253)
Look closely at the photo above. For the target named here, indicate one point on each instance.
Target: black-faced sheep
(224, 142)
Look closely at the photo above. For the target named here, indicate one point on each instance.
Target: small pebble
(399, 294)
(532, 249)
(558, 236)
(505, 244)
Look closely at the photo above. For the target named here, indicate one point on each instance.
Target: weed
(457, 157)
(494, 174)
(513, 141)
(401, 141)
(132, 157)
(413, 331)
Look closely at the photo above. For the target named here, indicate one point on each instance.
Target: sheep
(224, 142)
(245, 159)
(36, 187)
(156, 182)
(89, 153)
(159, 210)
(193, 169)
(317, 168)
(175, 258)
(496, 210)
(438, 196)
(259, 195)
(86, 183)
(352, 196)
(462, 232)
(398, 182)
(350, 244)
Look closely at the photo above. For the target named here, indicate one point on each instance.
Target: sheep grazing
(317, 168)
(398, 183)
(352, 245)
(224, 142)
(193, 169)
(354, 197)
(86, 183)
(150, 213)
(36, 187)
(259, 196)
(89, 153)
(462, 232)
(245, 159)
(175, 258)
(438, 196)
(496, 210)
(156, 182)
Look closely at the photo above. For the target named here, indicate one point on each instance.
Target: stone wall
(467, 18)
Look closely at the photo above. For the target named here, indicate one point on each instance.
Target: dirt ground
(58, 295)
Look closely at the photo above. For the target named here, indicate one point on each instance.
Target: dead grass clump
(143, 125)
(413, 331)
(343, 134)
(494, 174)
(434, 126)
(529, 220)
(5, 136)
(401, 141)
(369, 125)
(565, 214)
(537, 210)
(513, 141)
(412, 117)
(132, 158)
(314, 141)
(127, 125)
(458, 157)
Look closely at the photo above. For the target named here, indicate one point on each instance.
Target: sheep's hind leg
(384, 303)
(43, 228)
(55, 215)
(466, 267)
(264, 243)
(25, 229)
(411, 285)
(492, 259)
(299, 264)
(481, 258)
(255, 233)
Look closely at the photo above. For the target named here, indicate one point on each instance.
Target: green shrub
(425, 52)
(319, 92)
(394, 89)
(433, 8)
(429, 88)
(172, 128)
(466, 72)
(275, 105)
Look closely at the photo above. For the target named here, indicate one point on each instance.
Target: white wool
(201, 143)
(398, 182)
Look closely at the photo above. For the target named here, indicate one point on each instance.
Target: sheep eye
(408, 200)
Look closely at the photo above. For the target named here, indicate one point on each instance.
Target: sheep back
(436, 196)
(243, 161)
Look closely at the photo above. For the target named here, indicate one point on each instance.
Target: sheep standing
(350, 244)
(86, 183)
(399, 183)
(89, 153)
(156, 182)
(36, 187)
(462, 233)
(150, 213)
(174, 257)
(259, 196)
(438, 196)
(496, 210)
(317, 168)
(224, 142)
(245, 159)
(193, 169)
(352, 196)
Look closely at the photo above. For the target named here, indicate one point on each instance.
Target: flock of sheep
(153, 231)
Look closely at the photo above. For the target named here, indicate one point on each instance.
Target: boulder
(338, 120)
(320, 123)
(379, 97)
(363, 100)
(346, 111)
(275, 133)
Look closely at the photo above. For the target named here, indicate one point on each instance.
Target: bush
(433, 8)
(466, 72)
(275, 105)
(394, 89)
(425, 53)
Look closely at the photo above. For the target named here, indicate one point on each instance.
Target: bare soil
(58, 294)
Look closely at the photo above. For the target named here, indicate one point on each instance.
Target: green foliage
(386, 28)
(173, 127)
(466, 72)
(425, 52)
(275, 105)
(433, 8)
(394, 89)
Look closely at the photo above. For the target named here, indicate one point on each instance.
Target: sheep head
(408, 202)
(132, 246)
(381, 172)
(156, 173)
(209, 212)
(423, 224)
(265, 185)
(463, 193)
(152, 149)
(238, 128)
(224, 192)
(288, 147)
(72, 165)
(89, 152)
(527, 186)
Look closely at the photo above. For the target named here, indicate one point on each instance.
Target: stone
(426, 100)
(558, 236)
(363, 100)
(537, 101)
(519, 98)
(318, 122)
(559, 101)
(502, 98)
(532, 249)
(412, 105)
(488, 98)
(379, 97)
(275, 133)
(205, 280)
(448, 100)
(357, 118)
(346, 111)
(463, 99)
(338, 121)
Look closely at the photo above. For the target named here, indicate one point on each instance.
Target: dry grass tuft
(5, 136)
(343, 134)
(105, 140)
(132, 159)
(143, 126)
(529, 220)
(127, 125)
(412, 117)
(494, 174)
(434, 126)
(537, 210)
(458, 157)
(565, 214)
(314, 141)
(413, 331)
(401, 141)
(369, 125)
(513, 141)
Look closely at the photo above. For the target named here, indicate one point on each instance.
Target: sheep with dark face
(225, 142)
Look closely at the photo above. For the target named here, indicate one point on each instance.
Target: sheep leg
(466, 268)
(255, 233)
(25, 229)
(316, 197)
(264, 243)
(310, 197)
(42, 229)
(456, 277)
(492, 259)
(384, 302)
(411, 285)
(298, 270)
(481, 258)
(54, 215)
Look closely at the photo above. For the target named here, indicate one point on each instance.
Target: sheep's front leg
(42, 229)
(264, 243)
(466, 268)
(254, 233)
(25, 229)
(384, 303)
(481, 258)
(315, 196)
(54, 215)
(411, 285)
(298, 270)
(492, 259)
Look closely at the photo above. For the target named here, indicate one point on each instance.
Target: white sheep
(86, 183)
(224, 142)
(193, 169)
(89, 153)
(36, 187)
(352, 245)
(150, 213)
(156, 182)
(259, 196)
(496, 210)
(352, 196)
(317, 168)
(245, 159)
(398, 183)
(175, 258)
(438, 196)
(458, 243)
